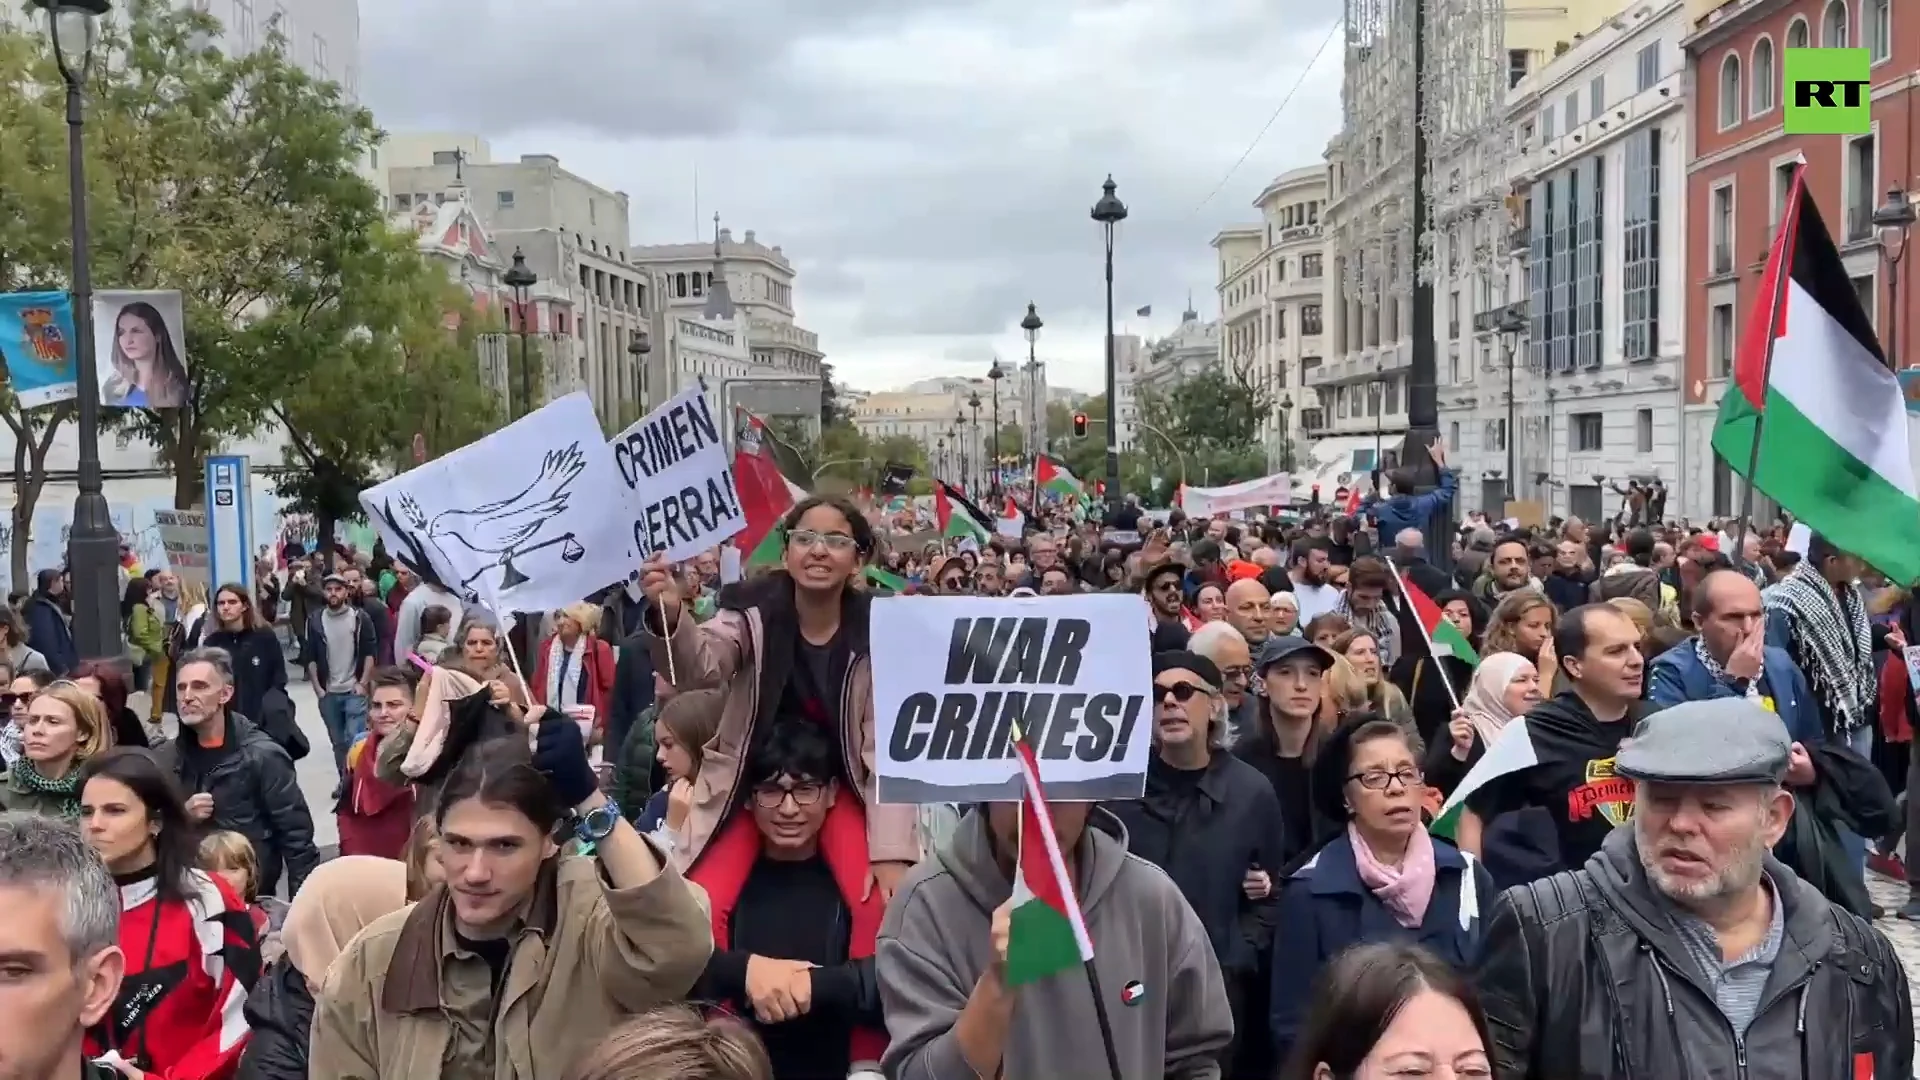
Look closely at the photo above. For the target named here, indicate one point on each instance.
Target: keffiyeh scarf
(1833, 642)
(1719, 673)
(26, 780)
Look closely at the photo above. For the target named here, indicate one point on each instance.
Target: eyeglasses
(1382, 780)
(832, 541)
(1182, 691)
(8, 701)
(804, 794)
(1244, 671)
(952, 582)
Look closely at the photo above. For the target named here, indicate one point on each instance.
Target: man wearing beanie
(1213, 823)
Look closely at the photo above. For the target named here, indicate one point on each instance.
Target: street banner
(37, 345)
(1275, 489)
(183, 537)
(140, 342)
(954, 675)
(518, 521)
(680, 494)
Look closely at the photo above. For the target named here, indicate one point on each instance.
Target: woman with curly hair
(1523, 623)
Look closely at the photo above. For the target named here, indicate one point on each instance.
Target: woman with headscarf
(1517, 847)
(338, 901)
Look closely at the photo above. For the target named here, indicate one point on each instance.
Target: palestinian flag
(1811, 385)
(1560, 738)
(1058, 479)
(1012, 523)
(766, 492)
(968, 521)
(1046, 933)
(886, 579)
(1442, 637)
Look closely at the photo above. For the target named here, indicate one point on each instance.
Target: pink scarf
(1407, 889)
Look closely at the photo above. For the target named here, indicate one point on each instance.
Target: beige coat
(589, 958)
(723, 652)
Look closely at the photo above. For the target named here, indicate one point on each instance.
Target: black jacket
(280, 1013)
(1584, 978)
(1206, 836)
(258, 665)
(255, 793)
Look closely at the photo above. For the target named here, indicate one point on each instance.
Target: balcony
(1313, 420)
(1519, 240)
(1722, 258)
(1363, 366)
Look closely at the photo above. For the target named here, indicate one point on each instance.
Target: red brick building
(1736, 180)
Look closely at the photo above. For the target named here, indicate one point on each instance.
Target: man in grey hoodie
(942, 950)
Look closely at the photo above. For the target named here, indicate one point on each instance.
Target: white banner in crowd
(1273, 490)
(183, 536)
(518, 521)
(953, 675)
(679, 478)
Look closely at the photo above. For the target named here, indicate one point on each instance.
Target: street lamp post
(1036, 407)
(940, 454)
(1109, 212)
(1893, 220)
(1286, 436)
(979, 448)
(1511, 325)
(958, 434)
(994, 375)
(638, 346)
(93, 547)
(1376, 391)
(520, 278)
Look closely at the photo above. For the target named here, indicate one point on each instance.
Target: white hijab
(1486, 700)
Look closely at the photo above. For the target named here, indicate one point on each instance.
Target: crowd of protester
(1624, 831)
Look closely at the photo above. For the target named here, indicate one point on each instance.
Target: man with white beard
(1683, 948)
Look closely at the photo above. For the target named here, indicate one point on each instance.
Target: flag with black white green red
(1058, 479)
(1443, 638)
(1814, 418)
(1046, 933)
(762, 467)
(956, 516)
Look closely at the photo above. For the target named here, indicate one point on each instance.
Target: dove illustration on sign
(506, 529)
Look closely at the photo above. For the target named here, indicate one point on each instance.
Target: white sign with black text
(679, 479)
(953, 676)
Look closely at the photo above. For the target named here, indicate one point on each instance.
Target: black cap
(1181, 659)
(1278, 647)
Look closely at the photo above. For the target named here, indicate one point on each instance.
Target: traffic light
(1079, 425)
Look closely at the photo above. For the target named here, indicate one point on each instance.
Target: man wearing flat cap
(1212, 822)
(1683, 948)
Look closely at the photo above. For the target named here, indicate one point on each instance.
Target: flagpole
(1783, 272)
(1106, 1025)
(1432, 654)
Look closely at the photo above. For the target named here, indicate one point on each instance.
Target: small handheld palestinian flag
(1442, 637)
(1048, 934)
(1058, 479)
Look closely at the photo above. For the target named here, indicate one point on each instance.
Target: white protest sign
(952, 675)
(183, 536)
(1273, 490)
(518, 521)
(679, 479)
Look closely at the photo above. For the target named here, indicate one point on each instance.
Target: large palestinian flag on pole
(956, 515)
(1814, 418)
(1058, 479)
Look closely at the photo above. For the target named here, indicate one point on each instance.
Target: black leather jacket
(1583, 978)
(255, 793)
(280, 1015)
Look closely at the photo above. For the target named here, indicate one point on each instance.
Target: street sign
(230, 521)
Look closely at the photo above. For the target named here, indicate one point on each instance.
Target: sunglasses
(8, 701)
(1182, 691)
(952, 582)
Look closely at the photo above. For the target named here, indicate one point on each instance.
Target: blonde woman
(573, 668)
(1523, 623)
(1361, 651)
(63, 729)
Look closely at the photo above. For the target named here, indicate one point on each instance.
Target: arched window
(1833, 25)
(1764, 75)
(1797, 34)
(1730, 95)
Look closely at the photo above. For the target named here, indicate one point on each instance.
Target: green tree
(234, 180)
(847, 454)
(397, 372)
(1213, 420)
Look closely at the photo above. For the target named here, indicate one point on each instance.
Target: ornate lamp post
(973, 402)
(959, 443)
(994, 375)
(1036, 407)
(520, 278)
(1109, 212)
(93, 547)
(1893, 220)
(638, 346)
(1286, 436)
(1511, 325)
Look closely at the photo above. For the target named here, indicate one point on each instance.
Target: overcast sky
(928, 164)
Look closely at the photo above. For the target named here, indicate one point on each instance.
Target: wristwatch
(595, 824)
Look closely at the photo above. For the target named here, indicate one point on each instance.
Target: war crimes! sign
(955, 677)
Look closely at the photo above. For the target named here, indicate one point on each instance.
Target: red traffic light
(1080, 425)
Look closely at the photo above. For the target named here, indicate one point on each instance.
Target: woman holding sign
(789, 644)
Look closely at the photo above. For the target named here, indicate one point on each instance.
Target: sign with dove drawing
(518, 521)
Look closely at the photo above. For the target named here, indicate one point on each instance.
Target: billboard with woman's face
(140, 347)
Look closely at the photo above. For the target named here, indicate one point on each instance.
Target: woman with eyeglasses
(1383, 879)
(63, 729)
(791, 644)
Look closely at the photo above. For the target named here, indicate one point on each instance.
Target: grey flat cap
(1723, 741)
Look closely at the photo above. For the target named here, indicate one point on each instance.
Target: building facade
(574, 236)
(1597, 195)
(1195, 346)
(1740, 166)
(1295, 302)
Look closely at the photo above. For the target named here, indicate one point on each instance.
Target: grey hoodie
(934, 946)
